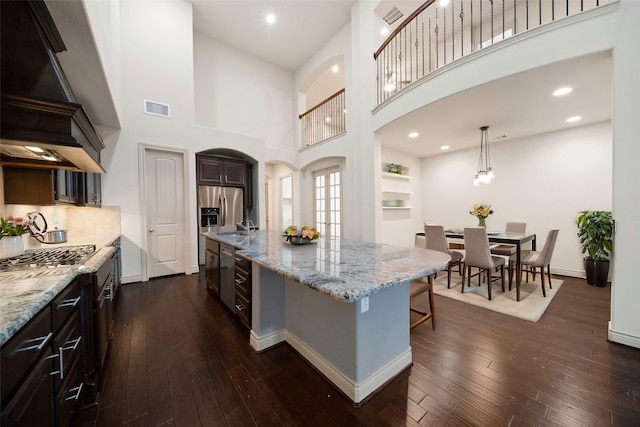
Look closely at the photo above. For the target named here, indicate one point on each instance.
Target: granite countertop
(23, 293)
(346, 270)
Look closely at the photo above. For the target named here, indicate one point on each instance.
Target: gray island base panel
(342, 304)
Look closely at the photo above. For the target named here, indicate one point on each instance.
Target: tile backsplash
(99, 226)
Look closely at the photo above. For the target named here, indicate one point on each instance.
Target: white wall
(544, 180)
(241, 94)
(625, 292)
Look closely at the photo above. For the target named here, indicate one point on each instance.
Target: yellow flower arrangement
(481, 212)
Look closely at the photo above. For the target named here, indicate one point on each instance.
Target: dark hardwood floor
(179, 358)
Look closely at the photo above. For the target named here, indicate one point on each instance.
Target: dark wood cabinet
(209, 170)
(42, 379)
(91, 189)
(248, 189)
(221, 171)
(243, 292)
(51, 187)
(234, 173)
(212, 265)
(66, 187)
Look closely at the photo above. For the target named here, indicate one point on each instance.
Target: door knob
(150, 230)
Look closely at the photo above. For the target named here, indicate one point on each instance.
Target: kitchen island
(342, 304)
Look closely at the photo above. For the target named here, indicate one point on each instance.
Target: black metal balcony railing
(324, 121)
(442, 31)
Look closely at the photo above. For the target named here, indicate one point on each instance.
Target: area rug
(531, 306)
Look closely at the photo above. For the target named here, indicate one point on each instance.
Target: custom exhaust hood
(41, 125)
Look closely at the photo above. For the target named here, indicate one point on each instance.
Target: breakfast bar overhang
(342, 304)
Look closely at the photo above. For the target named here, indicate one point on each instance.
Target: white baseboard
(131, 279)
(569, 273)
(622, 338)
(261, 343)
(355, 391)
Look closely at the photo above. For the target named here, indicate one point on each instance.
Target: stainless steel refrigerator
(220, 208)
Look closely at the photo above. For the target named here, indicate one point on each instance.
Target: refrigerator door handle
(221, 211)
(226, 210)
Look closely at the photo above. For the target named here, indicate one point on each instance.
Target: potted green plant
(595, 230)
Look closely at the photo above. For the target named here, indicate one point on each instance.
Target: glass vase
(482, 222)
(11, 247)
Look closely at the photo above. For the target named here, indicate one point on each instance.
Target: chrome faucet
(245, 228)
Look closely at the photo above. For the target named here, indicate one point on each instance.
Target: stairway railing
(442, 31)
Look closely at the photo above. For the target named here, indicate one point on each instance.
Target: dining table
(516, 239)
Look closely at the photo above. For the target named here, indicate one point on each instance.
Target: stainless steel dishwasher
(227, 275)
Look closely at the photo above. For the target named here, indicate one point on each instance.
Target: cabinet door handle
(72, 344)
(238, 259)
(37, 347)
(108, 291)
(240, 307)
(239, 281)
(60, 356)
(77, 390)
(69, 302)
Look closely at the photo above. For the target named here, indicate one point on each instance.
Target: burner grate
(48, 257)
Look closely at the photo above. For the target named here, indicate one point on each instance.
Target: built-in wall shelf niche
(395, 189)
(396, 176)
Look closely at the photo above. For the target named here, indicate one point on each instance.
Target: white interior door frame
(143, 149)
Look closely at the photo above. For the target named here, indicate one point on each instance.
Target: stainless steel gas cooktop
(48, 257)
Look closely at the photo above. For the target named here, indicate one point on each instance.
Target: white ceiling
(517, 106)
(302, 27)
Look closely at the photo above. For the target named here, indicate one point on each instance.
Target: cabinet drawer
(243, 263)
(69, 395)
(66, 347)
(32, 405)
(212, 245)
(243, 310)
(24, 348)
(66, 304)
(243, 284)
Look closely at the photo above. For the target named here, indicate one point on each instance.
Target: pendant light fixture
(485, 171)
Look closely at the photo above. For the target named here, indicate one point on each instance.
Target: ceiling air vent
(393, 15)
(156, 108)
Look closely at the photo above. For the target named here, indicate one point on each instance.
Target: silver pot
(54, 236)
(40, 233)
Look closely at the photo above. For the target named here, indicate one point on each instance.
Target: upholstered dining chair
(477, 254)
(436, 240)
(508, 250)
(539, 259)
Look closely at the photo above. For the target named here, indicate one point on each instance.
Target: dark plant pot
(597, 272)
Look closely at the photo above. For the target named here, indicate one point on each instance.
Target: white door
(328, 204)
(165, 216)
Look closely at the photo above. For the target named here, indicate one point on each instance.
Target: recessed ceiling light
(50, 158)
(413, 135)
(444, 147)
(270, 18)
(384, 31)
(562, 91)
(327, 119)
(444, 3)
(34, 149)
(335, 68)
(574, 119)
